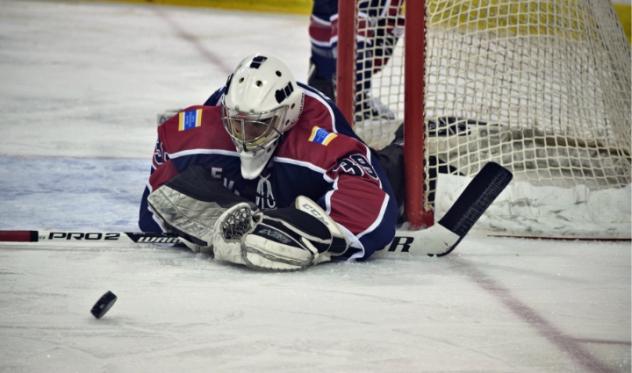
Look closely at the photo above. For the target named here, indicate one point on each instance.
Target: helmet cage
(253, 131)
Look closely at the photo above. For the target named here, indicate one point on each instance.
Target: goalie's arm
(160, 173)
(362, 203)
(162, 170)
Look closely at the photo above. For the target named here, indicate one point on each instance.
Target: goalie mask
(262, 101)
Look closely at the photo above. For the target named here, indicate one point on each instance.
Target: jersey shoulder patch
(321, 136)
(318, 146)
(196, 127)
(189, 119)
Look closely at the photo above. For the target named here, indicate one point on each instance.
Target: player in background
(374, 46)
(268, 174)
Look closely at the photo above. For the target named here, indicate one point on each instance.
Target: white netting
(542, 87)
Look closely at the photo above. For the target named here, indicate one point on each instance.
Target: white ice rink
(80, 87)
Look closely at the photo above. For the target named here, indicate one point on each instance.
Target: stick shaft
(440, 239)
(405, 242)
(86, 237)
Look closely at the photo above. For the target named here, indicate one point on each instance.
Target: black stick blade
(490, 181)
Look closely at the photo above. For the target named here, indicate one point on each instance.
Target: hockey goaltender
(269, 174)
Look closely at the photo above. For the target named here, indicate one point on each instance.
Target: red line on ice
(194, 41)
(554, 335)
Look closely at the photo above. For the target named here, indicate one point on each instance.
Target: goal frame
(542, 88)
(414, 132)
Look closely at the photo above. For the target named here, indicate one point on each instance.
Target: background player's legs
(322, 70)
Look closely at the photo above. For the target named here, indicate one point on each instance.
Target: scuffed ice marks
(71, 193)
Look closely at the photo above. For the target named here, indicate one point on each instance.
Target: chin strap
(253, 163)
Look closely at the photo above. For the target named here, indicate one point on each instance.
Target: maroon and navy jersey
(319, 157)
(323, 33)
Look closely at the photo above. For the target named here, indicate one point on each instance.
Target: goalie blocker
(215, 221)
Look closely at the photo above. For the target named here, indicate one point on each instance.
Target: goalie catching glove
(283, 239)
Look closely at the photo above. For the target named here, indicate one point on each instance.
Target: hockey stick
(438, 240)
(111, 238)
(443, 237)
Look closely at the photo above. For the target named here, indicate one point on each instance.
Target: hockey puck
(103, 305)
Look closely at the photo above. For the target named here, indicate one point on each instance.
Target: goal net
(541, 87)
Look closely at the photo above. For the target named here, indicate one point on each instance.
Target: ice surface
(81, 84)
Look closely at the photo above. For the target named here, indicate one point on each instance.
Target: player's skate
(371, 108)
(375, 122)
(324, 85)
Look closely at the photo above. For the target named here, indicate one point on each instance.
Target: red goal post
(541, 87)
(417, 214)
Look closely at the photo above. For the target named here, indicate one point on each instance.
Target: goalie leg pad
(190, 204)
(339, 244)
(293, 238)
(185, 216)
(281, 240)
(267, 241)
(277, 244)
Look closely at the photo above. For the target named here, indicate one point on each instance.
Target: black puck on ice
(103, 305)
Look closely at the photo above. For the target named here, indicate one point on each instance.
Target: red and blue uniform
(319, 157)
(374, 44)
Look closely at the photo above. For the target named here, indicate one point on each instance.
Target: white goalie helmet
(261, 102)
